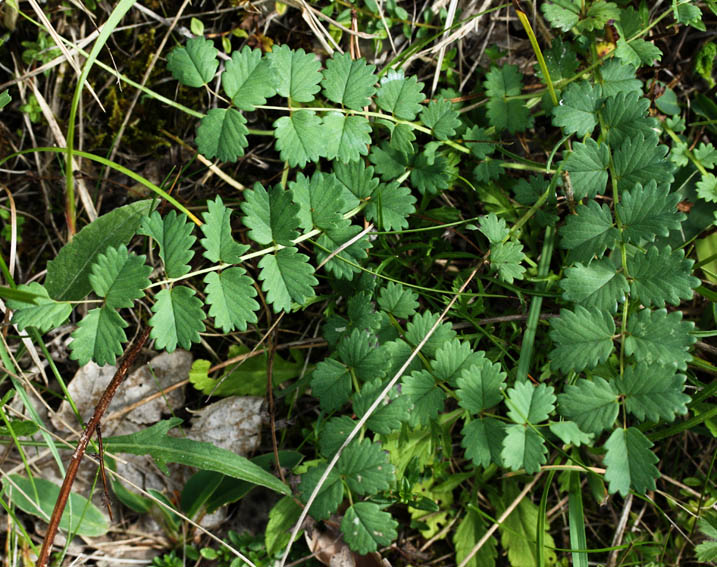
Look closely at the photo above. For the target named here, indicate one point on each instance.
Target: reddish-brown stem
(74, 465)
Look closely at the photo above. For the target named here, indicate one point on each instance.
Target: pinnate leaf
(333, 239)
(365, 467)
(389, 415)
(178, 318)
(230, 295)
(505, 258)
(419, 327)
(637, 52)
(248, 79)
(583, 338)
(400, 96)
(593, 405)
(480, 386)
(483, 441)
(589, 232)
(442, 118)
(357, 181)
(334, 433)
(587, 164)
(44, 313)
(641, 160)
(630, 463)
(174, 235)
(707, 187)
(331, 384)
(401, 302)
(577, 111)
(426, 398)
(195, 64)
(359, 351)
(649, 211)
(455, 357)
(296, 73)
(523, 448)
(431, 176)
(625, 116)
(653, 392)
(330, 495)
(320, 200)
(617, 77)
(659, 337)
(119, 276)
(366, 527)
(661, 275)
(570, 433)
(390, 206)
(218, 242)
(530, 404)
(347, 138)
(270, 215)
(98, 337)
(287, 277)
(494, 228)
(350, 82)
(300, 137)
(597, 284)
(222, 134)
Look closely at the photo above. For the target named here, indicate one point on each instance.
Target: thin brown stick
(74, 465)
(103, 474)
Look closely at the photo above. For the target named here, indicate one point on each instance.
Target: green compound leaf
(505, 258)
(706, 154)
(349, 82)
(427, 400)
(398, 300)
(442, 118)
(68, 274)
(177, 318)
(616, 77)
(577, 111)
(334, 433)
(583, 338)
(230, 295)
(119, 276)
(511, 115)
(43, 313)
(598, 285)
(503, 81)
(347, 138)
(707, 188)
(592, 405)
(359, 351)
(287, 277)
(218, 242)
(320, 201)
(296, 73)
(195, 64)
(388, 416)
(331, 384)
(468, 533)
(357, 182)
(389, 162)
(589, 232)
(419, 327)
(483, 441)
(707, 550)
(366, 527)
(624, 117)
(479, 141)
(588, 164)
(300, 137)
(433, 176)
(653, 392)
(400, 96)
(270, 216)
(174, 235)
(629, 462)
(335, 237)
(222, 134)
(248, 79)
(523, 448)
(455, 357)
(494, 228)
(402, 138)
(365, 468)
(330, 495)
(98, 337)
(570, 434)
(640, 160)
(562, 15)
(480, 387)
(648, 212)
(530, 404)
(637, 52)
(659, 337)
(390, 206)
(661, 275)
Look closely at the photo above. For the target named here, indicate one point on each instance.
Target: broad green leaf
(503, 81)
(401, 302)
(230, 296)
(511, 115)
(625, 116)
(282, 518)
(320, 201)
(222, 134)
(561, 60)
(218, 242)
(483, 441)
(523, 448)
(479, 141)
(468, 533)
(300, 137)
(389, 162)
(400, 96)
(80, 517)
(389, 415)
(653, 392)
(330, 495)
(178, 318)
(707, 550)
(360, 351)
(589, 232)
(629, 462)
(519, 533)
(617, 77)
(562, 14)
(402, 138)
(333, 239)
(641, 160)
(637, 52)
(98, 337)
(296, 73)
(366, 527)
(347, 138)
(706, 154)
(119, 276)
(418, 328)
(494, 228)
(505, 258)
(599, 284)
(390, 206)
(287, 277)
(454, 358)
(480, 387)
(661, 275)
(659, 337)
(427, 399)
(5, 99)
(248, 79)
(587, 164)
(583, 338)
(707, 188)
(577, 111)
(198, 490)
(365, 468)
(442, 118)
(335, 432)
(270, 216)
(592, 405)
(649, 211)
(570, 433)
(164, 448)
(68, 274)
(195, 64)
(350, 82)
(357, 181)
(43, 313)
(331, 384)
(598, 14)
(433, 176)
(530, 404)
(173, 233)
